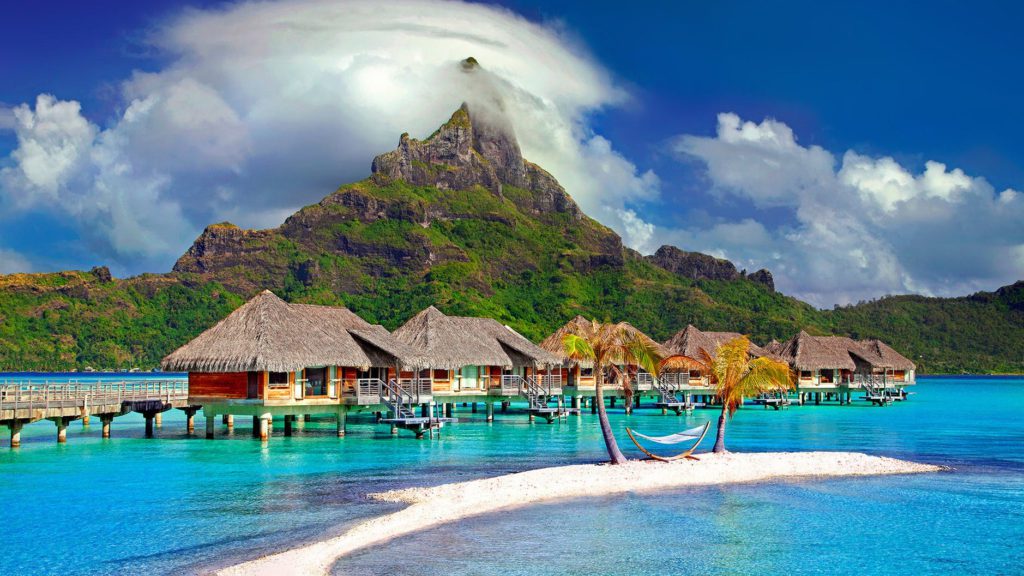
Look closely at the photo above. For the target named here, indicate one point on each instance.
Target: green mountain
(460, 220)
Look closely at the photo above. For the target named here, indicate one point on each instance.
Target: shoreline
(446, 503)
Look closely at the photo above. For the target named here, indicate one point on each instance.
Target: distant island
(461, 221)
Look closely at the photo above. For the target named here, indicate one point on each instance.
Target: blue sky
(803, 137)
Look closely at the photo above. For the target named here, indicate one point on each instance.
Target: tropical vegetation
(735, 376)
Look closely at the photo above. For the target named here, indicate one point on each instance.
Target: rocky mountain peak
(698, 266)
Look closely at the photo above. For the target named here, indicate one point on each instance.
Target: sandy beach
(434, 506)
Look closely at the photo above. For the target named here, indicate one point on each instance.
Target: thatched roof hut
(555, 342)
(806, 352)
(451, 342)
(887, 357)
(268, 334)
(872, 353)
(693, 343)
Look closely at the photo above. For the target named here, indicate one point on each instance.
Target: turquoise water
(180, 504)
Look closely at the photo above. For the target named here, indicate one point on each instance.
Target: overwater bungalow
(270, 358)
(698, 346)
(579, 375)
(466, 359)
(834, 365)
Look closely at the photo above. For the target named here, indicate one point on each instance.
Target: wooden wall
(218, 385)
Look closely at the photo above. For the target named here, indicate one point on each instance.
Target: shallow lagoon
(179, 504)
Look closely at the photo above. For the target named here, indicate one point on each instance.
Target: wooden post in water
(158, 418)
(265, 427)
(490, 411)
(149, 415)
(106, 420)
(62, 428)
(15, 426)
(190, 418)
(288, 419)
(341, 423)
(210, 423)
(255, 426)
(474, 408)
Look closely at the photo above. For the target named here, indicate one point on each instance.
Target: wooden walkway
(23, 403)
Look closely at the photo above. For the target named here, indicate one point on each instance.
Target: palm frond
(578, 347)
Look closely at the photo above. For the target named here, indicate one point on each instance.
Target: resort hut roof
(554, 343)
(451, 342)
(805, 352)
(693, 343)
(888, 358)
(268, 334)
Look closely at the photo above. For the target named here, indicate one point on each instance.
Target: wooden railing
(19, 396)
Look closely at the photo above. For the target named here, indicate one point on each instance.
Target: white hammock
(674, 438)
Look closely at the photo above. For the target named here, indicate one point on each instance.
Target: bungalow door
(252, 389)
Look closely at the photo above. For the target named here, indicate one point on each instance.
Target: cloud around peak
(264, 107)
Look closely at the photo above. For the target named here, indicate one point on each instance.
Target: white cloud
(869, 228)
(12, 262)
(264, 107)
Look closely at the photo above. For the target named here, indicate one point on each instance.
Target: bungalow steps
(669, 399)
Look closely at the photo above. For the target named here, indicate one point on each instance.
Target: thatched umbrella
(268, 334)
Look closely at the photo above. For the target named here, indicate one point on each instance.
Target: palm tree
(607, 345)
(734, 375)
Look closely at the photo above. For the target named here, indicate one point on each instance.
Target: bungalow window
(694, 374)
(442, 375)
(805, 375)
(899, 375)
(278, 380)
(587, 372)
(826, 376)
(316, 381)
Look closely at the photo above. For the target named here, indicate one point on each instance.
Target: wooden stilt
(15, 427)
(265, 427)
(106, 420)
(490, 411)
(210, 420)
(288, 419)
(341, 423)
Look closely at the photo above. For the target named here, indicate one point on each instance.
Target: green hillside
(461, 221)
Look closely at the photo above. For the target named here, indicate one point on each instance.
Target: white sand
(438, 505)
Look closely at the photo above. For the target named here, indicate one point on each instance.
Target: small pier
(62, 404)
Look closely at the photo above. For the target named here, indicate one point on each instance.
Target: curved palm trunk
(720, 439)
(606, 427)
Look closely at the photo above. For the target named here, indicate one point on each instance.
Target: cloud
(853, 229)
(264, 107)
(12, 262)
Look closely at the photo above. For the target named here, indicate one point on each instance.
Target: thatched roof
(555, 342)
(887, 357)
(806, 352)
(875, 353)
(267, 333)
(451, 342)
(693, 343)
